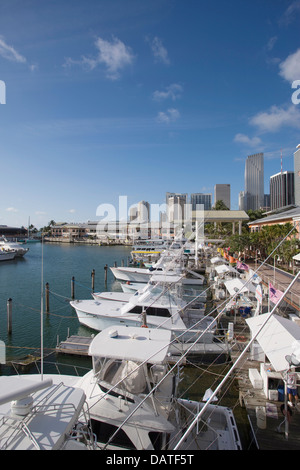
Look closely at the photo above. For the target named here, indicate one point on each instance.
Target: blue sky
(109, 98)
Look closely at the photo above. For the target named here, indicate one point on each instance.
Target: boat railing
(17, 427)
(76, 370)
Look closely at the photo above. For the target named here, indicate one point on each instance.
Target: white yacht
(132, 397)
(37, 414)
(15, 246)
(163, 312)
(145, 250)
(134, 274)
(6, 255)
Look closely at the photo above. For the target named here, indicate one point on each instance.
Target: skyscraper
(297, 175)
(222, 193)
(282, 190)
(200, 198)
(254, 182)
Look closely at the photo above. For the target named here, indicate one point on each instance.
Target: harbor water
(22, 281)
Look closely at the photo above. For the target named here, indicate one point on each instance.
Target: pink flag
(274, 294)
(241, 265)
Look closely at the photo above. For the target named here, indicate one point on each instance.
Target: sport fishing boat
(132, 392)
(157, 311)
(37, 414)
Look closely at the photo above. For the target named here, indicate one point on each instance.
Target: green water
(21, 280)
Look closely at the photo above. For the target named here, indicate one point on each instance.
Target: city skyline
(140, 99)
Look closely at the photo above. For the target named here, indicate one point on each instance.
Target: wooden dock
(270, 436)
(75, 345)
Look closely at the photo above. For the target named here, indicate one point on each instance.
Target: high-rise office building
(176, 208)
(183, 196)
(143, 211)
(242, 200)
(222, 193)
(254, 182)
(201, 199)
(282, 190)
(297, 175)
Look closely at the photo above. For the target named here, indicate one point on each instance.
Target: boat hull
(7, 256)
(101, 322)
(143, 275)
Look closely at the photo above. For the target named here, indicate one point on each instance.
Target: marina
(261, 410)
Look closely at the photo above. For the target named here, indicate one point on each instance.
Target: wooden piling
(47, 297)
(105, 273)
(9, 316)
(73, 288)
(93, 280)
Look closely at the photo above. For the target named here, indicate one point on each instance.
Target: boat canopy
(217, 259)
(279, 337)
(236, 285)
(224, 268)
(132, 344)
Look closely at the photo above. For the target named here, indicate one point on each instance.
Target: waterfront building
(201, 199)
(69, 231)
(297, 175)
(254, 182)
(282, 190)
(291, 216)
(12, 232)
(222, 193)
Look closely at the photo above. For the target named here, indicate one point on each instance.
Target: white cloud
(276, 117)
(290, 67)
(290, 13)
(11, 209)
(9, 52)
(72, 211)
(244, 139)
(172, 92)
(159, 51)
(271, 43)
(115, 55)
(170, 115)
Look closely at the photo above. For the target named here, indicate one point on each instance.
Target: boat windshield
(126, 375)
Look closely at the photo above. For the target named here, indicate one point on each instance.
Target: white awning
(217, 259)
(223, 268)
(235, 285)
(297, 257)
(279, 337)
